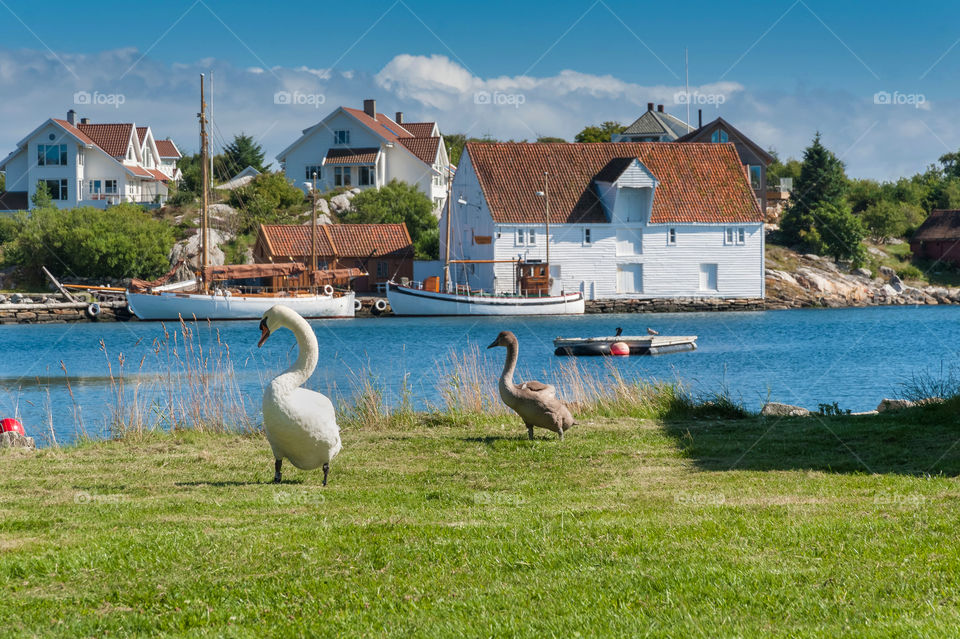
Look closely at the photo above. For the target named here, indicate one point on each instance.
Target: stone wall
(61, 313)
(673, 305)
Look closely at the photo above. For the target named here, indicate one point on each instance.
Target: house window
(110, 187)
(57, 188)
(734, 236)
(341, 176)
(314, 168)
(366, 175)
(95, 187)
(382, 271)
(720, 135)
(586, 236)
(341, 137)
(531, 236)
(756, 176)
(346, 176)
(521, 238)
(51, 155)
(80, 157)
(672, 237)
(708, 277)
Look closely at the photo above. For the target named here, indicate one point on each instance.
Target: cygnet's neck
(306, 361)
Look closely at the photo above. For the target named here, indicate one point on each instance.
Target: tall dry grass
(193, 387)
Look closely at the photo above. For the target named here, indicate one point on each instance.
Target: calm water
(850, 356)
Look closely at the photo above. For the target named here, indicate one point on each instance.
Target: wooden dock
(638, 344)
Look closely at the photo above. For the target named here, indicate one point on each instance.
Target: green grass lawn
(803, 527)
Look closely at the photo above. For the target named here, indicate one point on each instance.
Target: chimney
(84, 120)
(649, 106)
(370, 108)
(660, 108)
(699, 118)
(72, 116)
(399, 118)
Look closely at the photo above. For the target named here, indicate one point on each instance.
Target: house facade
(86, 164)
(633, 220)
(754, 159)
(365, 149)
(938, 238)
(653, 126)
(383, 251)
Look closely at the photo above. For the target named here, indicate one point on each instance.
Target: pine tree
(240, 154)
(821, 181)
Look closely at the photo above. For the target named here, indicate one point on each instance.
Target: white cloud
(882, 141)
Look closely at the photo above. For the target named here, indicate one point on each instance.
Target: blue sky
(783, 69)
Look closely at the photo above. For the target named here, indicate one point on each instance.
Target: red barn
(938, 238)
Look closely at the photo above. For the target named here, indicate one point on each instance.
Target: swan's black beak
(264, 332)
(495, 343)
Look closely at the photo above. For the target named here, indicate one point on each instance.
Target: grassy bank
(678, 527)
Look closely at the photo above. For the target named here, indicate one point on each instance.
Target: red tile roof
(160, 175)
(139, 171)
(698, 183)
(382, 126)
(341, 240)
(74, 131)
(423, 148)
(167, 149)
(420, 129)
(351, 156)
(114, 139)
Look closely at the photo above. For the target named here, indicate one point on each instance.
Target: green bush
(267, 199)
(910, 272)
(121, 241)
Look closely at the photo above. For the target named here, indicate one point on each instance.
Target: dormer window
(720, 136)
(341, 136)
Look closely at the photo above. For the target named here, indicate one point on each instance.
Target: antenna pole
(446, 247)
(546, 193)
(686, 66)
(313, 236)
(205, 174)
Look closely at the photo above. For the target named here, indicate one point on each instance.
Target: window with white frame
(341, 176)
(51, 155)
(672, 237)
(531, 236)
(110, 187)
(733, 236)
(341, 136)
(521, 237)
(311, 169)
(366, 176)
(587, 239)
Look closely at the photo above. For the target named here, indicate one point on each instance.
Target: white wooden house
(86, 164)
(365, 149)
(626, 219)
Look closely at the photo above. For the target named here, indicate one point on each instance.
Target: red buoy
(12, 425)
(620, 349)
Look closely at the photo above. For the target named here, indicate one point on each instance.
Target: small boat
(638, 345)
(410, 300)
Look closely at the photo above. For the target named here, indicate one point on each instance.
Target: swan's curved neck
(510, 365)
(306, 362)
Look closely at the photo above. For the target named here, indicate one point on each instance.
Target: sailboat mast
(205, 182)
(446, 246)
(546, 191)
(313, 235)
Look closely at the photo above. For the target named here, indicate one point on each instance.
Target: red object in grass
(620, 349)
(12, 425)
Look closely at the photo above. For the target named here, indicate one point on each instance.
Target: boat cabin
(533, 279)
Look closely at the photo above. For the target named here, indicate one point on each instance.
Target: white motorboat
(409, 300)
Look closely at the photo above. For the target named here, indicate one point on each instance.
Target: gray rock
(863, 272)
(889, 291)
(812, 257)
(322, 207)
(189, 249)
(340, 202)
(776, 409)
(893, 404)
(16, 440)
(886, 271)
(3, 299)
(355, 191)
(896, 283)
(16, 298)
(866, 412)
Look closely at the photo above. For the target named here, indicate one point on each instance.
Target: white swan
(300, 424)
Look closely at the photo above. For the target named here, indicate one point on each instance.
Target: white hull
(411, 301)
(172, 306)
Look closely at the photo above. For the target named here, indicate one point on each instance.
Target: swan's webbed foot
(530, 432)
(276, 471)
(560, 432)
(326, 470)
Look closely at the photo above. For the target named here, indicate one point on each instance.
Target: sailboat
(210, 297)
(531, 283)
